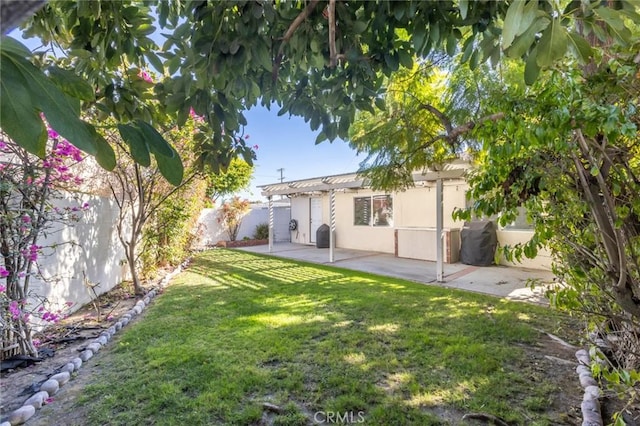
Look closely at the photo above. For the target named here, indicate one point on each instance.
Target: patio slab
(503, 281)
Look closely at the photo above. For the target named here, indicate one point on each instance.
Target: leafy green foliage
(221, 58)
(235, 178)
(567, 150)
(406, 135)
(27, 91)
(261, 232)
(171, 230)
(231, 214)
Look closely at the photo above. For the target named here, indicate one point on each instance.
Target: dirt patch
(59, 345)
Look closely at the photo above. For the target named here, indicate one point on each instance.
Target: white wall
(212, 231)
(90, 246)
(350, 236)
(300, 212)
(512, 237)
(416, 207)
(421, 243)
(414, 210)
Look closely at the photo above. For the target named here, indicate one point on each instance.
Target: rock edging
(52, 385)
(590, 407)
(241, 243)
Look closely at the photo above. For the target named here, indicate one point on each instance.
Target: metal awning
(454, 170)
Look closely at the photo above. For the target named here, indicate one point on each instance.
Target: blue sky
(289, 143)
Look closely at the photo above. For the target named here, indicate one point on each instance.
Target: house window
(522, 222)
(373, 211)
(362, 211)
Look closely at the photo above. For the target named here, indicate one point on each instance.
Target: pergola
(330, 184)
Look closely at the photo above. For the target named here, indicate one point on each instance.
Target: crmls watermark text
(339, 417)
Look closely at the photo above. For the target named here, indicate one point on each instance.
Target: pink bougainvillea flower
(37, 342)
(31, 253)
(50, 317)
(48, 400)
(26, 218)
(3, 272)
(255, 147)
(145, 76)
(246, 137)
(2, 288)
(52, 133)
(14, 309)
(196, 117)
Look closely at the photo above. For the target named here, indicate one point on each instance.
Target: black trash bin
(323, 236)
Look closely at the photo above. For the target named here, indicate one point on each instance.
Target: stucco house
(403, 223)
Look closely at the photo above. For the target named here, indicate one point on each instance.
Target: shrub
(231, 214)
(261, 232)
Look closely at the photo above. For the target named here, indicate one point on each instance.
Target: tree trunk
(14, 12)
(131, 259)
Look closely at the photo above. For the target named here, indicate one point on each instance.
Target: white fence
(88, 248)
(212, 231)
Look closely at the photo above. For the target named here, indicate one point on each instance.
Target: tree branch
(460, 130)
(14, 12)
(439, 115)
(287, 35)
(333, 59)
(609, 215)
(472, 124)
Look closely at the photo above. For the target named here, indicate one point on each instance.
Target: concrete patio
(503, 281)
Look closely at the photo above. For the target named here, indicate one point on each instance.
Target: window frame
(366, 207)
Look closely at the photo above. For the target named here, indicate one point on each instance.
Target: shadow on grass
(237, 330)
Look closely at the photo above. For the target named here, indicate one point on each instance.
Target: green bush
(172, 229)
(261, 232)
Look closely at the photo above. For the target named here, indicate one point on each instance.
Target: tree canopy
(321, 60)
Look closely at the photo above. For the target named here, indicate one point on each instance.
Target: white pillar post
(332, 230)
(270, 198)
(439, 232)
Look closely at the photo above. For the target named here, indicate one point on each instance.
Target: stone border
(241, 243)
(53, 384)
(591, 414)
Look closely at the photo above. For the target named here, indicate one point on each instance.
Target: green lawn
(237, 330)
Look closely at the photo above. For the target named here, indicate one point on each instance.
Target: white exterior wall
(512, 237)
(212, 232)
(414, 215)
(416, 207)
(374, 238)
(300, 212)
(90, 246)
